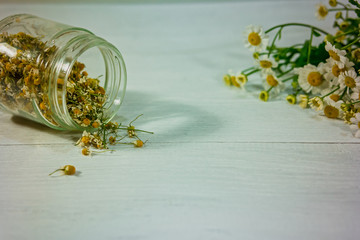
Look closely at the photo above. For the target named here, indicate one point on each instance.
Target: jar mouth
(111, 73)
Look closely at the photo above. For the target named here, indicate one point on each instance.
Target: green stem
(254, 71)
(342, 4)
(309, 48)
(136, 130)
(330, 92)
(346, 33)
(286, 72)
(353, 42)
(287, 79)
(135, 119)
(341, 9)
(349, 104)
(269, 89)
(297, 24)
(342, 95)
(56, 171)
(247, 69)
(273, 41)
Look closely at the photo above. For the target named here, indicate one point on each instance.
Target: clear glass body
(39, 60)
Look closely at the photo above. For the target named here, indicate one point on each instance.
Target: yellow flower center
(336, 70)
(241, 78)
(350, 82)
(356, 54)
(322, 10)
(85, 139)
(335, 97)
(254, 39)
(291, 99)
(344, 25)
(234, 82)
(227, 80)
(314, 79)
(331, 112)
(264, 96)
(315, 103)
(265, 64)
(333, 3)
(334, 55)
(271, 81)
(341, 38)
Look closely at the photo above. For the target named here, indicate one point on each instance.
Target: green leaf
(357, 11)
(316, 34)
(355, 3)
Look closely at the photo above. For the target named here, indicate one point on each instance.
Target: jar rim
(115, 77)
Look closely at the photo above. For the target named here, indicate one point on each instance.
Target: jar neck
(73, 44)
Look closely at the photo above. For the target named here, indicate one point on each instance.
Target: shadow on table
(171, 121)
(42, 129)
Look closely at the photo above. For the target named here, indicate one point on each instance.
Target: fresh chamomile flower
(291, 99)
(266, 64)
(303, 100)
(355, 54)
(264, 96)
(348, 113)
(321, 11)
(340, 36)
(332, 109)
(238, 80)
(333, 3)
(271, 81)
(255, 39)
(311, 78)
(356, 124)
(334, 68)
(316, 103)
(227, 79)
(355, 95)
(338, 15)
(349, 79)
(344, 25)
(241, 78)
(335, 54)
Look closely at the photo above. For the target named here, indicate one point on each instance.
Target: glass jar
(58, 75)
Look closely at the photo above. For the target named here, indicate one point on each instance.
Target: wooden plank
(183, 190)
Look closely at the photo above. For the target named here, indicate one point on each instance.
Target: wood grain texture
(166, 190)
(221, 164)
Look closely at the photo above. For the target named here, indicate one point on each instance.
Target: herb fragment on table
(110, 133)
(66, 170)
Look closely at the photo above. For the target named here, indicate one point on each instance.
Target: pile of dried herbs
(23, 61)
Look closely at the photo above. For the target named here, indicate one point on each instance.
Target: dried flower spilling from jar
(24, 87)
(21, 75)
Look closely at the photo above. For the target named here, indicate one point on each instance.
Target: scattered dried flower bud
(138, 143)
(67, 170)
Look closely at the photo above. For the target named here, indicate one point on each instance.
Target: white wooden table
(221, 165)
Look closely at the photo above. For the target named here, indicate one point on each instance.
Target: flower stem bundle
(322, 76)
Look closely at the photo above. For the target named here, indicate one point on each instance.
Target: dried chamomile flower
(66, 170)
(138, 143)
(111, 133)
